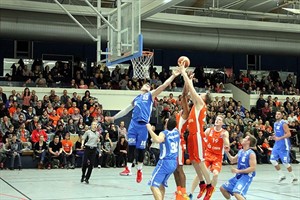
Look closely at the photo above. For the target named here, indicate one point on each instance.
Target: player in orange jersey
(196, 122)
(182, 121)
(217, 139)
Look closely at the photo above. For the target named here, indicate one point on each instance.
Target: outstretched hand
(108, 119)
(176, 72)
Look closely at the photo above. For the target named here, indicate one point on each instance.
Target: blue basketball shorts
(163, 170)
(238, 185)
(137, 135)
(284, 155)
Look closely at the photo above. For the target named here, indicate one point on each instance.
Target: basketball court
(106, 183)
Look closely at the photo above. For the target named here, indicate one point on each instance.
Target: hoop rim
(147, 53)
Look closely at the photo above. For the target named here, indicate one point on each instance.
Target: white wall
(110, 99)
(239, 95)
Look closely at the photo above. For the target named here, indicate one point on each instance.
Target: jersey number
(145, 97)
(174, 147)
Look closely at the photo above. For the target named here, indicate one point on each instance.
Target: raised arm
(120, 114)
(161, 88)
(184, 102)
(226, 142)
(156, 138)
(198, 101)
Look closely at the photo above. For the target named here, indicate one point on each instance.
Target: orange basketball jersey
(214, 142)
(197, 121)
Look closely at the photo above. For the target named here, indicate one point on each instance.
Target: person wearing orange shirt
(68, 156)
(182, 121)
(54, 117)
(217, 139)
(72, 109)
(60, 110)
(196, 142)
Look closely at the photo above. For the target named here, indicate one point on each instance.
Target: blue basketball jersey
(243, 161)
(169, 148)
(142, 107)
(279, 132)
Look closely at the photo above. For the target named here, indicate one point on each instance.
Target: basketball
(187, 161)
(184, 59)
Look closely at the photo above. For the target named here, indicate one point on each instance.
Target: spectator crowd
(46, 126)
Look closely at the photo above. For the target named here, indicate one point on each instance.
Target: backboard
(127, 42)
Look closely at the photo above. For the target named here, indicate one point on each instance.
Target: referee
(89, 151)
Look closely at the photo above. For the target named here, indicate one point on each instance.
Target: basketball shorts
(238, 184)
(137, 135)
(284, 155)
(163, 170)
(196, 148)
(213, 162)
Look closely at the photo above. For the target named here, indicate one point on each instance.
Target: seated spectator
(60, 132)
(67, 149)
(121, 152)
(55, 153)
(108, 155)
(39, 108)
(40, 150)
(76, 116)
(44, 119)
(82, 85)
(79, 151)
(8, 134)
(54, 117)
(5, 124)
(41, 81)
(49, 127)
(229, 120)
(35, 136)
(70, 127)
(3, 156)
(122, 129)
(87, 118)
(14, 151)
(23, 136)
(113, 132)
(80, 127)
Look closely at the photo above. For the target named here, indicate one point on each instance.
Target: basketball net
(141, 65)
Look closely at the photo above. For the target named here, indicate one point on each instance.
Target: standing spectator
(40, 149)
(67, 147)
(3, 97)
(26, 97)
(15, 148)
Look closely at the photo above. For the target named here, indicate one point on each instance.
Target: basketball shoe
(209, 191)
(295, 181)
(202, 190)
(126, 172)
(139, 176)
(281, 178)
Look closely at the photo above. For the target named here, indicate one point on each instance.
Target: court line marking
(28, 198)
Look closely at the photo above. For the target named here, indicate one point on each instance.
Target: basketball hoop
(141, 65)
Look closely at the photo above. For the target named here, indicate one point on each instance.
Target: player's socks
(129, 166)
(183, 190)
(292, 174)
(280, 173)
(140, 166)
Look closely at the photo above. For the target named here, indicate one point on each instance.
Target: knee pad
(141, 153)
(274, 162)
(287, 165)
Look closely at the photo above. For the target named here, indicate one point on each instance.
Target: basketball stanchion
(141, 65)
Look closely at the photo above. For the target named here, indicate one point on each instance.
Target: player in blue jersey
(282, 147)
(137, 131)
(245, 171)
(169, 146)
